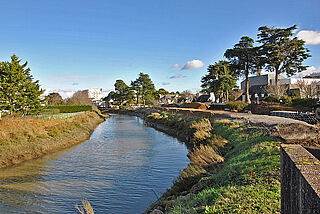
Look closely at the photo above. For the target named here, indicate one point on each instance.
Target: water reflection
(117, 170)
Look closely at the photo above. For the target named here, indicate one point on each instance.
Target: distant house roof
(203, 98)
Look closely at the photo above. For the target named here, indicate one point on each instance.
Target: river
(122, 168)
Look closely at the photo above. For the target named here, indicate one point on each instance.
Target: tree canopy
(80, 98)
(54, 99)
(123, 93)
(144, 88)
(19, 92)
(281, 52)
(220, 80)
(244, 59)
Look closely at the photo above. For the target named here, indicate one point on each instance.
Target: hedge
(69, 108)
(306, 102)
(237, 105)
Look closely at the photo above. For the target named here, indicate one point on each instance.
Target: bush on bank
(237, 105)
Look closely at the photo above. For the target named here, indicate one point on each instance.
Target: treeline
(78, 98)
(275, 50)
(140, 91)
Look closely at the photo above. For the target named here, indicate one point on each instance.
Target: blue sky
(72, 45)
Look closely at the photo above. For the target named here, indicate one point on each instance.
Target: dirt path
(290, 130)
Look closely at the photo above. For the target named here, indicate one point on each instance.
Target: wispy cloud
(309, 36)
(165, 83)
(175, 76)
(175, 66)
(75, 83)
(68, 78)
(193, 64)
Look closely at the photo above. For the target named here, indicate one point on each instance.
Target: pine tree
(19, 92)
(221, 80)
(282, 53)
(245, 59)
(144, 88)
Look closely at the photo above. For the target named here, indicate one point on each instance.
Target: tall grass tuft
(86, 208)
(204, 155)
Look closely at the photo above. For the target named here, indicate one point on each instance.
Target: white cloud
(175, 66)
(193, 64)
(310, 70)
(65, 93)
(165, 83)
(309, 36)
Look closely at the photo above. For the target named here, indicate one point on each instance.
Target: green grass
(248, 182)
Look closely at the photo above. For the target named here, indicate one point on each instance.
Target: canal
(122, 168)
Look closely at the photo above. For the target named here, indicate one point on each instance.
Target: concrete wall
(300, 180)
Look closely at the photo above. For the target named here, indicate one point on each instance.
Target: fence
(60, 116)
(306, 117)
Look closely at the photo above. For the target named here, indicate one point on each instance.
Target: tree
(80, 98)
(245, 59)
(19, 92)
(307, 90)
(162, 91)
(144, 88)
(220, 80)
(123, 93)
(282, 53)
(54, 99)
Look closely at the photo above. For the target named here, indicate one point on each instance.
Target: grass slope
(248, 182)
(233, 168)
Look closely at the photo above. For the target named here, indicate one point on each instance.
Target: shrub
(196, 105)
(286, 100)
(237, 105)
(271, 99)
(70, 108)
(305, 102)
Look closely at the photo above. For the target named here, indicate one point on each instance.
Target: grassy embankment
(234, 168)
(28, 138)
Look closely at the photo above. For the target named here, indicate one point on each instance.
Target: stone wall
(300, 180)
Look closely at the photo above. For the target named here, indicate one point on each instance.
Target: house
(258, 85)
(95, 94)
(207, 98)
(262, 80)
(168, 99)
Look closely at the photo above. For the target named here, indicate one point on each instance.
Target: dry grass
(86, 208)
(204, 155)
(27, 138)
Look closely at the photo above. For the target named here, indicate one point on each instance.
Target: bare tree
(80, 98)
(277, 90)
(307, 90)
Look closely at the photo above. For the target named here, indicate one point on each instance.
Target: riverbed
(122, 168)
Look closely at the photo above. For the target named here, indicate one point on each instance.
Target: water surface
(122, 168)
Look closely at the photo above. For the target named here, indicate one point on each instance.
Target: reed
(85, 208)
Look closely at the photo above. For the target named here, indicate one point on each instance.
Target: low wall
(300, 180)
